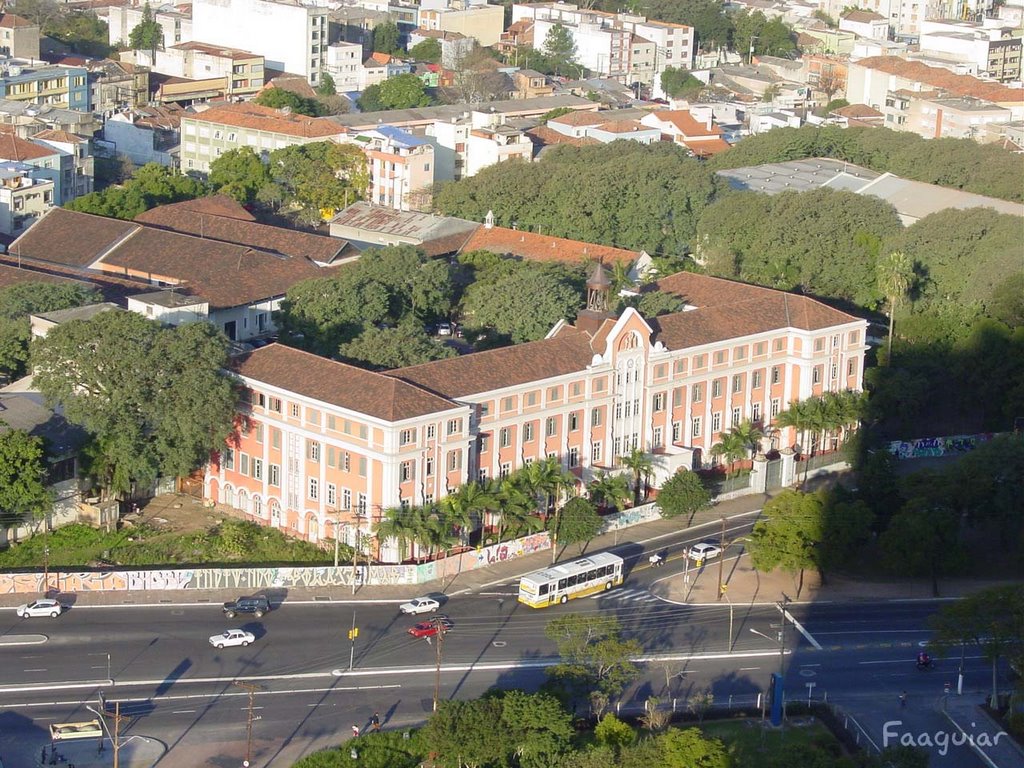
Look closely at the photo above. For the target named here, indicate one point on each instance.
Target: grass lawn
(230, 541)
(744, 741)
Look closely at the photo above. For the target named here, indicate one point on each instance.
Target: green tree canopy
(690, 748)
(789, 534)
(403, 92)
(624, 194)
(23, 491)
(777, 241)
(155, 399)
(147, 34)
(320, 177)
(769, 36)
(386, 38)
(923, 539)
(577, 522)
(239, 173)
(327, 86)
(682, 494)
(428, 50)
(560, 48)
(150, 186)
(712, 24)
(678, 83)
(278, 98)
(383, 348)
(20, 300)
(590, 644)
(524, 305)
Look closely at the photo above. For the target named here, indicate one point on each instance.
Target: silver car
(231, 637)
(45, 607)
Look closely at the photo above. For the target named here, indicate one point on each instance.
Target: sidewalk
(971, 721)
(20, 750)
(744, 584)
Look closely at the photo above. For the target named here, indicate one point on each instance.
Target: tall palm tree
(750, 435)
(400, 524)
(436, 531)
(639, 463)
(730, 448)
(607, 490)
(543, 481)
(518, 510)
(463, 507)
(894, 275)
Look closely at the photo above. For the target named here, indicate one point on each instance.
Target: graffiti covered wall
(923, 447)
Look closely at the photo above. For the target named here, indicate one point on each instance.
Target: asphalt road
(179, 689)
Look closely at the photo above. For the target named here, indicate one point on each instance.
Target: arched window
(242, 500)
(227, 495)
(275, 513)
(257, 506)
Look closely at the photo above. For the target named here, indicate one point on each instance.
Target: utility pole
(721, 562)
(355, 555)
(352, 635)
(251, 688)
(726, 596)
(781, 606)
(437, 670)
(115, 738)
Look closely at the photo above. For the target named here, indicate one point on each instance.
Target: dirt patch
(176, 513)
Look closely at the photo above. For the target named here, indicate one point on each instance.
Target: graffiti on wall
(645, 513)
(937, 446)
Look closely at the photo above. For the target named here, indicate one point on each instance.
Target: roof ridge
(486, 352)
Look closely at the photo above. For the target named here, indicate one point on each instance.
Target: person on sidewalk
(355, 731)
(655, 560)
(375, 722)
(903, 699)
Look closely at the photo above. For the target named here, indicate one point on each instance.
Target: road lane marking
(41, 669)
(748, 669)
(183, 712)
(13, 640)
(807, 635)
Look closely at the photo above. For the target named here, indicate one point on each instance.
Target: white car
(420, 605)
(704, 551)
(231, 637)
(47, 607)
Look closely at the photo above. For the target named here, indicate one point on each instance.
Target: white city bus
(565, 581)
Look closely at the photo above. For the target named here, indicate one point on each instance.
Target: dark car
(257, 605)
(430, 628)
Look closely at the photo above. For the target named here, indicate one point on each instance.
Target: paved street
(179, 690)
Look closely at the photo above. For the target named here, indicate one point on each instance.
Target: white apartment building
(986, 49)
(344, 62)
(24, 196)
(906, 17)
(622, 46)
(291, 37)
(479, 20)
(121, 20)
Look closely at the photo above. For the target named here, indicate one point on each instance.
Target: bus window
(543, 589)
(571, 581)
(591, 575)
(561, 584)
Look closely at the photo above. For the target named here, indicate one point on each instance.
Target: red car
(430, 628)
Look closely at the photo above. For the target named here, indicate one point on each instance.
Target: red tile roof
(456, 377)
(13, 148)
(212, 205)
(69, 238)
(686, 124)
(61, 137)
(224, 274)
(534, 247)
(726, 309)
(543, 136)
(862, 17)
(11, 21)
(579, 119)
(228, 229)
(255, 117)
(345, 386)
(857, 111)
(297, 84)
(937, 77)
(706, 147)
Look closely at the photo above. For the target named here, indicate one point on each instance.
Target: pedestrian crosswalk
(627, 596)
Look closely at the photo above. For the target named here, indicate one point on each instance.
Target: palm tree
(436, 530)
(462, 507)
(399, 524)
(607, 490)
(750, 435)
(518, 509)
(730, 448)
(895, 276)
(543, 481)
(640, 465)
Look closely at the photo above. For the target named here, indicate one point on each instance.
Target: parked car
(45, 607)
(257, 605)
(432, 626)
(230, 637)
(420, 605)
(444, 329)
(704, 551)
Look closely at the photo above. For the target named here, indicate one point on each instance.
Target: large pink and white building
(325, 441)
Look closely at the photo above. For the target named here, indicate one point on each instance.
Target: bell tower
(598, 286)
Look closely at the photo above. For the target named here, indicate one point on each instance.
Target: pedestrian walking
(903, 699)
(355, 731)
(375, 722)
(501, 603)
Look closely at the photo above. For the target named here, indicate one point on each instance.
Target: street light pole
(726, 596)
(251, 688)
(437, 671)
(721, 562)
